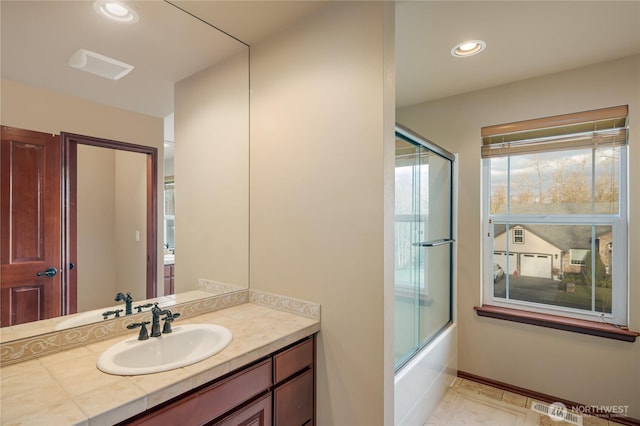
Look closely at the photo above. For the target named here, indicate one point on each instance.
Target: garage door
(500, 258)
(535, 265)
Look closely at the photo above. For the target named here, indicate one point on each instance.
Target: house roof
(563, 236)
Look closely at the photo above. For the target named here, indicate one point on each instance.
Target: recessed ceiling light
(116, 11)
(468, 48)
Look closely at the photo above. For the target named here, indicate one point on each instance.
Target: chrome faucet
(155, 320)
(156, 312)
(128, 300)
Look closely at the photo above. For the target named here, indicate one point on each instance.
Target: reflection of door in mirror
(30, 226)
(76, 228)
(110, 221)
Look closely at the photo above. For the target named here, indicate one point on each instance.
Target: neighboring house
(548, 251)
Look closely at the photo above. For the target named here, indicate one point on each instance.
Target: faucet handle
(144, 334)
(116, 314)
(168, 319)
(139, 308)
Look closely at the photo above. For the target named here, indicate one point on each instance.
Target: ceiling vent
(98, 64)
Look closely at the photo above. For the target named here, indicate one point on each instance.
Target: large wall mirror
(188, 93)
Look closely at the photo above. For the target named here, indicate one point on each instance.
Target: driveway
(530, 289)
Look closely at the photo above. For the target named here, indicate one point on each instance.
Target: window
(578, 256)
(518, 236)
(563, 181)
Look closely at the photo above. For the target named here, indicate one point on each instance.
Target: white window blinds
(597, 128)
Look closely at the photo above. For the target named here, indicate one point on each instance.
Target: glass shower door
(423, 243)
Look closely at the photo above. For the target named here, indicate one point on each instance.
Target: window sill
(560, 323)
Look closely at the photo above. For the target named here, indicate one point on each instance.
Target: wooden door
(30, 246)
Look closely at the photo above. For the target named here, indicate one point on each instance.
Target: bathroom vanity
(265, 376)
(276, 390)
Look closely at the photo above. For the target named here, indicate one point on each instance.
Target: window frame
(620, 263)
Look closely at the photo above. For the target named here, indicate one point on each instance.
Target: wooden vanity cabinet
(277, 390)
(294, 376)
(169, 273)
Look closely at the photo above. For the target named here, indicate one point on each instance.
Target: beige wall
(131, 224)
(41, 110)
(586, 369)
(96, 207)
(321, 113)
(212, 175)
(38, 109)
(111, 207)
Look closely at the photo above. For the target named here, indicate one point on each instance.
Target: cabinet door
(256, 414)
(168, 286)
(293, 401)
(168, 279)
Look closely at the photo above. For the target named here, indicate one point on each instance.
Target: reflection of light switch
(137, 235)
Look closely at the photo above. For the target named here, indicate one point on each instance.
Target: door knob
(50, 272)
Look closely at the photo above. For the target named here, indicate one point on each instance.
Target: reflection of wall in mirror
(131, 223)
(38, 109)
(111, 225)
(96, 220)
(212, 175)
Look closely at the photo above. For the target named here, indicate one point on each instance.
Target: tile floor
(469, 403)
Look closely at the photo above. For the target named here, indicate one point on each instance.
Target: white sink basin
(186, 345)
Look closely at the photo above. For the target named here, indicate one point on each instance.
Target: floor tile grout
(471, 403)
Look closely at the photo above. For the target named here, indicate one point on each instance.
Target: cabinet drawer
(294, 359)
(215, 400)
(293, 401)
(256, 414)
(168, 271)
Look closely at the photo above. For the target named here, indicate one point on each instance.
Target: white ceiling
(524, 39)
(165, 46)
(249, 20)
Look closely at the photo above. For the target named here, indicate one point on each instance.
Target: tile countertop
(67, 388)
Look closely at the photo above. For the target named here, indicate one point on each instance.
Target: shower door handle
(434, 243)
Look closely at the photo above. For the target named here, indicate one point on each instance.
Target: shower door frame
(404, 133)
